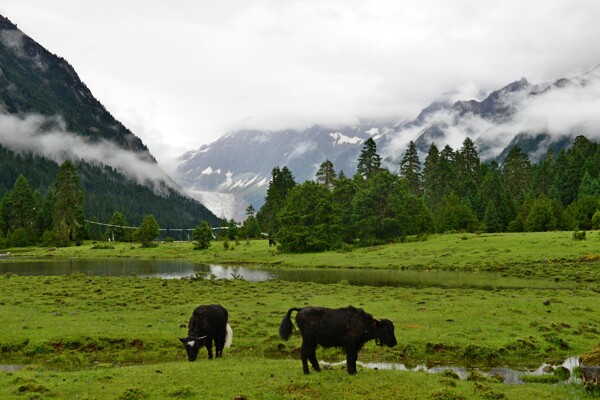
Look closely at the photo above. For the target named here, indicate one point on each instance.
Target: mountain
(234, 171)
(47, 115)
(238, 165)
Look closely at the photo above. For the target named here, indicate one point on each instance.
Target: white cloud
(48, 137)
(182, 73)
(558, 111)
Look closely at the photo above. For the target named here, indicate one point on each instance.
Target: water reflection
(170, 269)
(509, 375)
(101, 267)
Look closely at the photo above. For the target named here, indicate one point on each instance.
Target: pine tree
(491, 219)
(282, 182)
(543, 176)
(468, 169)
(326, 174)
(588, 186)
(369, 162)
(410, 169)
(250, 226)
(232, 230)
(516, 173)
(445, 172)
(19, 206)
(68, 201)
(343, 193)
(20, 215)
(492, 190)
(373, 216)
(308, 220)
(431, 183)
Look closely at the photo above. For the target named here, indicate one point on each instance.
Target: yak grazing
(208, 323)
(349, 328)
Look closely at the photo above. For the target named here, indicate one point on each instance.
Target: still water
(169, 269)
(508, 375)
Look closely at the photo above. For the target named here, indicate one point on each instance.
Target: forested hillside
(106, 191)
(33, 80)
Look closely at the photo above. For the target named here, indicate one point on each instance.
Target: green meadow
(97, 337)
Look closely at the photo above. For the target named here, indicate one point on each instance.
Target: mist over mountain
(48, 115)
(234, 171)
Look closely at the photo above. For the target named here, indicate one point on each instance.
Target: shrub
(21, 237)
(103, 246)
(133, 394)
(579, 235)
(446, 394)
(562, 373)
(202, 236)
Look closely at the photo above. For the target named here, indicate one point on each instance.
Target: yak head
(192, 346)
(384, 333)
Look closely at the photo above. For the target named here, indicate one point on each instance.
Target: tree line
(58, 218)
(450, 191)
(106, 190)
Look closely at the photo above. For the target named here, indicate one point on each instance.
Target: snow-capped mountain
(238, 165)
(537, 117)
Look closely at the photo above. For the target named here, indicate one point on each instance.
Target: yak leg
(313, 360)
(308, 351)
(219, 344)
(209, 345)
(351, 357)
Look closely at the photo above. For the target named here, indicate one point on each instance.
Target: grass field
(100, 337)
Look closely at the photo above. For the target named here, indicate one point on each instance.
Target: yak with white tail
(208, 323)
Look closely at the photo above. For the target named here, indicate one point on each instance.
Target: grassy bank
(551, 255)
(257, 378)
(117, 333)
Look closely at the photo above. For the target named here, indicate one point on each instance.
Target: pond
(169, 269)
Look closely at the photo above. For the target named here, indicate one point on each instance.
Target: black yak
(349, 328)
(207, 323)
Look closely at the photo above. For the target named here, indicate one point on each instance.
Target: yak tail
(286, 326)
(228, 336)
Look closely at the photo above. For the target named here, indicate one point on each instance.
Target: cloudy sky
(182, 73)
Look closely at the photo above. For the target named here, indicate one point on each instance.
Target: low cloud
(48, 137)
(570, 108)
